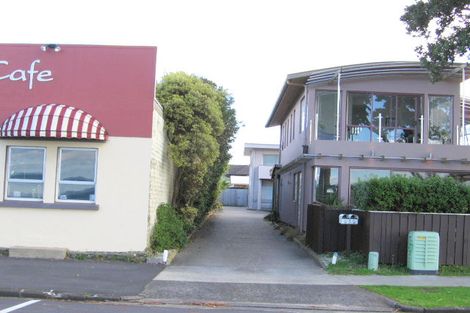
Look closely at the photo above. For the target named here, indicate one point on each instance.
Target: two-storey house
(344, 124)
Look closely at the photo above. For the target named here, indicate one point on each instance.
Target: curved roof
(295, 83)
(53, 121)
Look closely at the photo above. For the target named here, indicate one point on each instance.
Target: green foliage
(445, 25)
(201, 125)
(355, 263)
(427, 297)
(412, 194)
(169, 231)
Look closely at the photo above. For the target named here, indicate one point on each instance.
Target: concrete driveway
(238, 246)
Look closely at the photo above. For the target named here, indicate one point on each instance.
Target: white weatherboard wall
(122, 193)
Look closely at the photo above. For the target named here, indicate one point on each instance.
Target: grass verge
(426, 297)
(356, 264)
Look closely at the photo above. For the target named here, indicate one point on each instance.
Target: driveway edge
(51, 295)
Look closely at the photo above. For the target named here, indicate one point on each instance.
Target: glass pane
(406, 136)
(326, 110)
(384, 105)
(26, 163)
(407, 111)
(388, 135)
(360, 109)
(303, 114)
(326, 184)
(358, 133)
(76, 192)
(362, 174)
(77, 165)
(269, 159)
(25, 190)
(440, 115)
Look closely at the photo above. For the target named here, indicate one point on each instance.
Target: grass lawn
(356, 264)
(427, 297)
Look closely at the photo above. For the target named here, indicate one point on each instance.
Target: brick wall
(162, 170)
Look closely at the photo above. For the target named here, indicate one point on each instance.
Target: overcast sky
(248, 47)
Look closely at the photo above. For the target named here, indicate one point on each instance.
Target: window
(269, 159)
(303, 114)
(326, 115)
(440, 117)
(297, 187)
(326, 184)
(393, 118)
(293, 126)
(77, 175)
(25, 173)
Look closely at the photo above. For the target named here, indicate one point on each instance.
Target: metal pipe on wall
(338, 103)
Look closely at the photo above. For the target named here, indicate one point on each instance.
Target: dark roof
(238, 170)
(295, 83)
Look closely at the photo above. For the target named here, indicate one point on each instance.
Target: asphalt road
(16, 305)
(111, 279)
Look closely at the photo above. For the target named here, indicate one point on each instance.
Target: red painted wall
(114, 84)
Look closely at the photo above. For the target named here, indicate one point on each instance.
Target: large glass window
(25, 173)
(77, 175)
(393, 118)
(326, 184)
(270, 159)
(440, 117)
(326, 115)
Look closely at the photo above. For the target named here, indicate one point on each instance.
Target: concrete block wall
(162, 169)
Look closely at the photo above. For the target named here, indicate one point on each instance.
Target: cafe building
(82, 147)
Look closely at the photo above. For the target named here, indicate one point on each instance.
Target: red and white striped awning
(53, 121)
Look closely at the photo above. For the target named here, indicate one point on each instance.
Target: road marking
(19, 306)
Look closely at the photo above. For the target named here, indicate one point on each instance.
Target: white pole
(338, 102)
(464, 131)
(421, 121)
(380, 127)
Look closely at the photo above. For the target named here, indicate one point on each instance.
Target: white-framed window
(25, 173)
(76, 175)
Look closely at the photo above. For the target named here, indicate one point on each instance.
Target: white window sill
(42, 205)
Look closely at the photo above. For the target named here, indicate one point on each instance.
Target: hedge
(169, 231)
(412, 194)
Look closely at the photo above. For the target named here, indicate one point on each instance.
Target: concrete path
(237, 257)
(238, 246)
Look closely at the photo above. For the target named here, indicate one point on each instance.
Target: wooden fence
(234, 197)
(387, 233)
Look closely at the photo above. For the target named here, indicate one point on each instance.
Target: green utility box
(423, 252)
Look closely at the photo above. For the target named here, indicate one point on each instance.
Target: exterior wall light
(51, 46)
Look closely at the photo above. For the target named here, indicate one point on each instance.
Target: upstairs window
(440, 119)
(25, 173)
(77, 175)
(326, 115)
(303, 114)
(270, 159)
(384, 118)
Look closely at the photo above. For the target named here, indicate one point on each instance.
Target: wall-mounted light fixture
(51, 46)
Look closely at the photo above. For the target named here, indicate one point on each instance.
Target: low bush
(169, 231)
(412, 194)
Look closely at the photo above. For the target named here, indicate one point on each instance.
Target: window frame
(8, 180)
(71, 182)
(371, 127)
(314, 182)
(451, 118)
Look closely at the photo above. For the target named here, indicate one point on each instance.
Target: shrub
(412, 194)
(169, 231)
